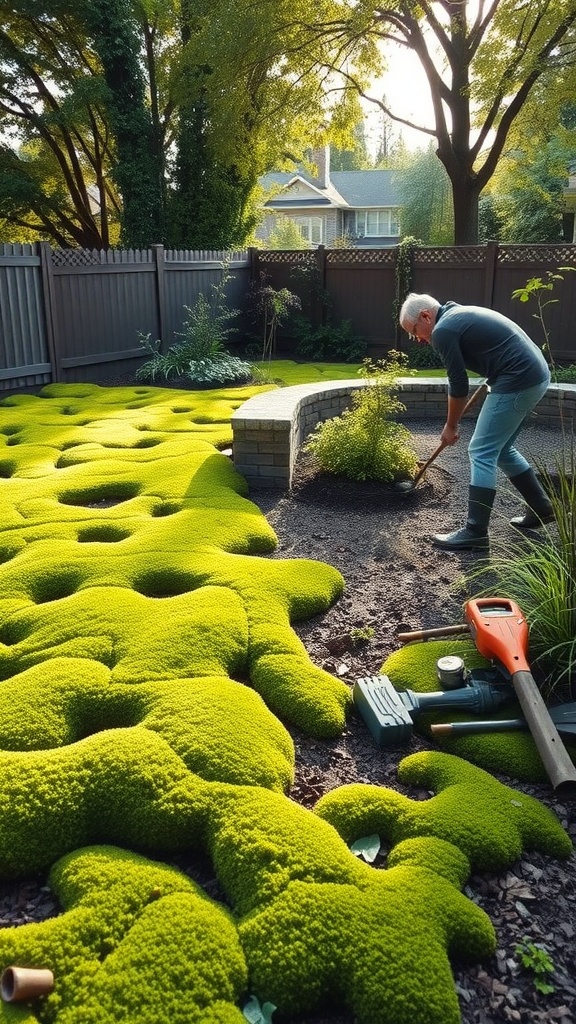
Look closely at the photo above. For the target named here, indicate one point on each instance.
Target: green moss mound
(513, 754)
(136, 941)
(489, 822)
(147, 662)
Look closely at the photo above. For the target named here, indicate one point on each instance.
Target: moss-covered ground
(148, 672)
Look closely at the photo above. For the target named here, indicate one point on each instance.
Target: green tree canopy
(424, 189)
(57, 146)
(482, 60)
(161, 117)
(287, 235)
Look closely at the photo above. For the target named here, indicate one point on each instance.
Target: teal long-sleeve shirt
(486, 342)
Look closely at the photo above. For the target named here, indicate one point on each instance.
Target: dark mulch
(396, 580)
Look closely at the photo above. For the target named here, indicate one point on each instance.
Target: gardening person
(488, 343)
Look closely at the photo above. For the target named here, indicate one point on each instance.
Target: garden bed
(379, 540)
(396, 580)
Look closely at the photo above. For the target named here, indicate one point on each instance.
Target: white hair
(412, 306)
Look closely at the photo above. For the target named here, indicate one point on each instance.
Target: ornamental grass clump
(365, 442)
(200, 357)
(538, 571)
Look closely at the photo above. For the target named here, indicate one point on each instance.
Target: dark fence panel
(101, 302)
(76, 315)
(453, 272)
(187, 274)
(24, 352)
(515, 265)
(362, 286)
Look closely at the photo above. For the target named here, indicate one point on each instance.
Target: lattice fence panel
(451, 254)
(362, 256)
(293, 256)
(98, 257)
(537, 254)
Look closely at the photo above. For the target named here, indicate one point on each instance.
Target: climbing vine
(138, 165)
(404, 269)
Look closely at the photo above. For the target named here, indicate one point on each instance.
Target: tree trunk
(465, 195)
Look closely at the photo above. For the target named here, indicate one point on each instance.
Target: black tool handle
(483, 697)
(471, 728)
(556, 760)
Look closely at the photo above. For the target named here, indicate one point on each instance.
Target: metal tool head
(405, 486)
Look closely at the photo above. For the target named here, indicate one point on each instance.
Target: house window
(377, 223)
(310, 229)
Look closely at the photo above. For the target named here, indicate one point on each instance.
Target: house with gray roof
(362, 207)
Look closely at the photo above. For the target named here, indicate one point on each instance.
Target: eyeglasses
(414, 332)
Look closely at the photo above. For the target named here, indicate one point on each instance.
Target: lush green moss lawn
(288, 372)
(149, 670)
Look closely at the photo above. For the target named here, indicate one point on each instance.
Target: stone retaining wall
(268, 429)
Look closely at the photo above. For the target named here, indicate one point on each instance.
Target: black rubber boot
(475, 533)
(540, 509)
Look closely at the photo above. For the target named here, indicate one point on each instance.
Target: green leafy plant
(272, 306)
(328, 342)
(200, 357)
(540, 574)
(423, 357)
(361, 634)
(365, 442)
(539, 289)
(534, 957)
(404, 273)
(564, 374)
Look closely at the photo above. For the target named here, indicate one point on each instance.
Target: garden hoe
(563, 716)
(500, 633)
(407, 486)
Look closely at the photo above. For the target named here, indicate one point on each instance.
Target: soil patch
(396, 580)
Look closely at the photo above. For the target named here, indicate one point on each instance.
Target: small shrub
(564, 374)
(328, 342)
(423, 357)
(365, 442)
(272, 306)
(219, 370)
(200, 357)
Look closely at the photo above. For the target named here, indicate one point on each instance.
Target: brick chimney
(321, 157)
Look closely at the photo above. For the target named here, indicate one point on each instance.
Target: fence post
(253, 258)
(490, 272)
(319, 295)
(158, 251)
(50, 312)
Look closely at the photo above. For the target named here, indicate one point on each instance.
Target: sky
(406, 90)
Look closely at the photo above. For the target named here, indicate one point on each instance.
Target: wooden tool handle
(440, 631)
(559, 767)
(480, 391)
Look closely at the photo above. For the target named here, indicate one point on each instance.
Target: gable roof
(353, 189)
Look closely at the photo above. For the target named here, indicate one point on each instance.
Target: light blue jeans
(497, 427)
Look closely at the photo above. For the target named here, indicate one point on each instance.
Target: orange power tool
(500, 633)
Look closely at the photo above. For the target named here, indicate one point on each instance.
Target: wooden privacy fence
(76, 315)
(361, 286)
